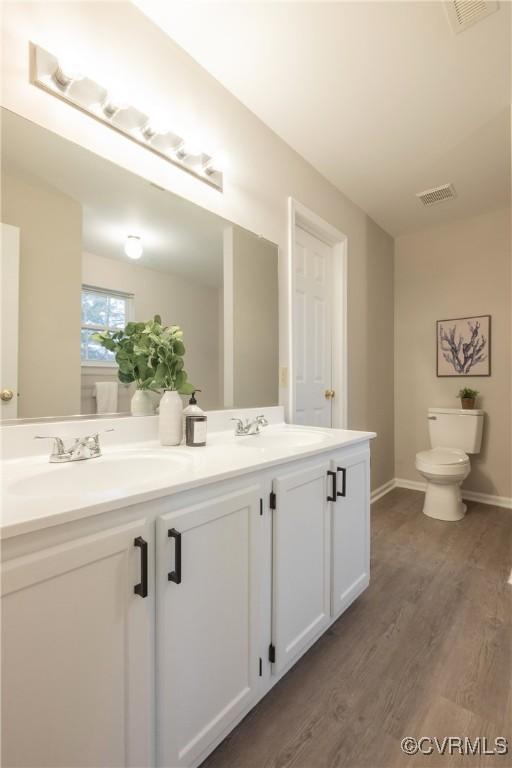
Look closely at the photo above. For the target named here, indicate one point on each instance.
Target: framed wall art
(464, 346)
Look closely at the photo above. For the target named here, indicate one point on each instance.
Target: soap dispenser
(195, 423)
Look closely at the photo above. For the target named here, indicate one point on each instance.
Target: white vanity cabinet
(301, 560)
(350, 527)
(242, 574)
(208, 557)
(77, 685)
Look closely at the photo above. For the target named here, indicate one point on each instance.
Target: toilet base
(444, 502)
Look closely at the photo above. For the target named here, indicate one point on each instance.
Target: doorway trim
(300, 216)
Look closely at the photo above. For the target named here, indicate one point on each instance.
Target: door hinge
(261, 667)
(272, 654)
(272, 500)
(261, 506)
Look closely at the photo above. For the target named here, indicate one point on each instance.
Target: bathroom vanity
(151, 596)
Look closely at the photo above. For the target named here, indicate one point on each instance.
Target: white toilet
(454, 433)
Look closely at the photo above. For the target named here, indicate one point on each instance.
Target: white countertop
(37, 494)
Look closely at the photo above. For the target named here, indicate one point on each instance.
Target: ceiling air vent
(464, 13)
(437, 195)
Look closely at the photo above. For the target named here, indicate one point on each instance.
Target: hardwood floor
(425, 651)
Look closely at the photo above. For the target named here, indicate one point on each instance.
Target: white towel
(106, 396)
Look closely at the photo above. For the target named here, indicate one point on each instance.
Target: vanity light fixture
(56, 77)
(133, 247)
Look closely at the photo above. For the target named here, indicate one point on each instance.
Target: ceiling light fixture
(54, 76)
(133, 247)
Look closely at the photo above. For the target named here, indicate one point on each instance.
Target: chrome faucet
(87, 447)
(247, 427)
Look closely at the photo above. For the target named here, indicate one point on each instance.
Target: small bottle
(195, 423)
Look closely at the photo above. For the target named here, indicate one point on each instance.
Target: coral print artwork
(464, 346)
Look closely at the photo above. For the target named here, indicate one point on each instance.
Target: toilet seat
(442, 456)
(442, 462)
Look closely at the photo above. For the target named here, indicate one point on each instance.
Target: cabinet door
(301, 562)
(207, 606)
(76, 654)
(350, 529)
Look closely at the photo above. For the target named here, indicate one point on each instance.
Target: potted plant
(151, 355)
(133, 363)
(468, 397)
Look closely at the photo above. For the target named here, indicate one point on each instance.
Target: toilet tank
(456, 428)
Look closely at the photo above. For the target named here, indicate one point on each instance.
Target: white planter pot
(170, 420)
(142, 403)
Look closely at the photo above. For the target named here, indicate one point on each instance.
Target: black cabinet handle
(142, 588)
(343, 491)
(176, 574)
(332, 474)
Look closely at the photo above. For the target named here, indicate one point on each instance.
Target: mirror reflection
(90, 250)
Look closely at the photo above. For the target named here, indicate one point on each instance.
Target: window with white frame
(102, 310)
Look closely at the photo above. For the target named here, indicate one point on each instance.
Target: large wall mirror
(68, 273)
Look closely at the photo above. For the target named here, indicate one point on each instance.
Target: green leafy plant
(468, 393)
(150, 354)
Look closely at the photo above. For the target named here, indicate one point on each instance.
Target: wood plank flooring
(425, 651)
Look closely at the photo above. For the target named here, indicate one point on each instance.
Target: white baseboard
(381, 491)
(483, 498)
(487, 498)
(412, 485)
(417, 485)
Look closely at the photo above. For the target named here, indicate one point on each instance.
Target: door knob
(6, 395)
(329, 394)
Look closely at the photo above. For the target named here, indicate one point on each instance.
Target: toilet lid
(442, 456)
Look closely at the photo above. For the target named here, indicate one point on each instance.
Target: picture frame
(463, 347)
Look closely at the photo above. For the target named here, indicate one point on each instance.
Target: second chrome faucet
(248, 426)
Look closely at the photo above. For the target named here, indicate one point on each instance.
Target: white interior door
(312, 330)
(9, 279)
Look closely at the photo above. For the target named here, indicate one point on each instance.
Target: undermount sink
(105, 473)
(282, 439)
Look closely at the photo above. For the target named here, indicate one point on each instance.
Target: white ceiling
(177, 236)
(383, 98)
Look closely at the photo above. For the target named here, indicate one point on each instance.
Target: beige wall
(380, 353)
(255, 321)
(193, 306)
(49, 312)
(458, 270)
(263, 172)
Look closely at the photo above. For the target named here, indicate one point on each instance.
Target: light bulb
(67, 71)
(116, 100)
(191, 147)
(152, 129)
(149, 131)
(157, 125)
(133, 247)
(216, 163)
